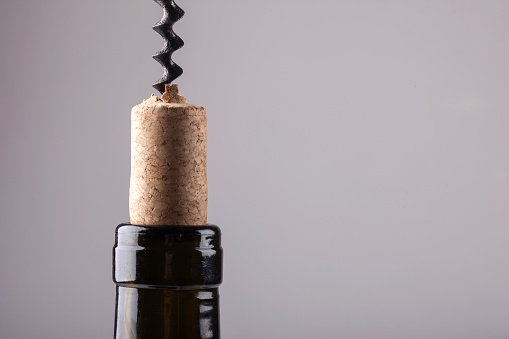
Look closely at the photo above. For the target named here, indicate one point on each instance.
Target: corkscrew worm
(172, 42)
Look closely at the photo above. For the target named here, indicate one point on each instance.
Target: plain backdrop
(358, 162)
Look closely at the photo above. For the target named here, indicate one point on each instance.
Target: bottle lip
(209, 229)
(164, 237)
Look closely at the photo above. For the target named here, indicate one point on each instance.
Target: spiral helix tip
(172, 42)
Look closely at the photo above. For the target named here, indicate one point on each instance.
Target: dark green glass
(167, 281)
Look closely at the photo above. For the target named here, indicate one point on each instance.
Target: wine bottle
(167, 280)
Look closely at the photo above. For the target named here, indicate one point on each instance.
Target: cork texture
(168, 162)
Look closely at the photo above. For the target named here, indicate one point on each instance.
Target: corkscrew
(172, 42)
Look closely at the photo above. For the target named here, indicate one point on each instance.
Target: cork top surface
(170, 100)
(155, 102)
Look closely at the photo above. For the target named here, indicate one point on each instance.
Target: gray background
(357, 162)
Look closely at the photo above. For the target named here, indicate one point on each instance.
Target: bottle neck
(156, 313)
(167, 281)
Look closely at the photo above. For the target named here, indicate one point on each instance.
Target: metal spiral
(172, 42)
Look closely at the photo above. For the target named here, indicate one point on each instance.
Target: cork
(168, 162)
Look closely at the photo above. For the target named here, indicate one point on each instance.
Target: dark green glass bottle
(167, 281)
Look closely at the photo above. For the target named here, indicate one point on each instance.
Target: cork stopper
(168, 161)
